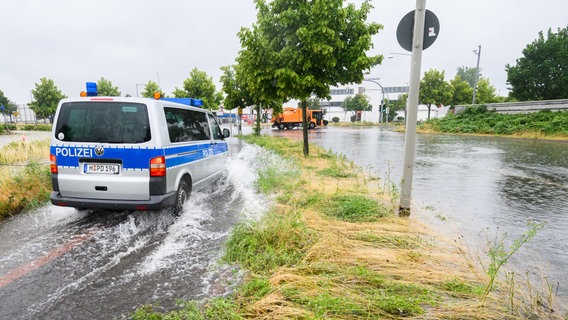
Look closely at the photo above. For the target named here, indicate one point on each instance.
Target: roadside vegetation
(25, 181)
(332, 247)
(479, 120)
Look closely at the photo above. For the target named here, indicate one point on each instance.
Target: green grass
(479, 120)
(275, 241)
(354, 208)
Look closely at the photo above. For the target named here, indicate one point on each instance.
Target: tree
(7, 106)
(150, 88)
(236, 94)
(486, 93)
(542, 72)
(313, 103)
(200, 86)
(467, 74)
(105, 88)
(46, 97)
(299, 48)
(461, 91)
(434, 90)
(356, 104)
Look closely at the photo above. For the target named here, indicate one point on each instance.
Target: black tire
(182, 195)
(312, 125)
(281, 126)
(290, 126)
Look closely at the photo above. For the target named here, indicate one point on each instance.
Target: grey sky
(132, 41)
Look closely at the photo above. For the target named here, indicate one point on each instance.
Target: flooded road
(60, 263)
(482, 188)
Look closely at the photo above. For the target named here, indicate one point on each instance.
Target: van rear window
(110, 122)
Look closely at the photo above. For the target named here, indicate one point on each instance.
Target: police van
(133, 153)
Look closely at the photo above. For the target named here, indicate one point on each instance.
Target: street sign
(405, 30)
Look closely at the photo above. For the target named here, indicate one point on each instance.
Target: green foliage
(434, 90)
(105, 88)
(482, 121)
(9, 106)
(542, 72)
(467, 74)
(354, 208)
(358, 102)
(150, 88)
(296, 49)
(199, 85)
(364, 294)
(499, 255)
(35, 127)
(46, 98)
(274, 241)
(218, 308)
(485, 92)
(335, 119)
(462, 92)
(236, 90)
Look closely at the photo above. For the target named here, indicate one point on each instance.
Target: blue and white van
(133, 153)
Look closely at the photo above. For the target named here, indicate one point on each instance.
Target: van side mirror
(226, 133)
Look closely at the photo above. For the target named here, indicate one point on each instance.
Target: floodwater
(60, 263)
(483, 188)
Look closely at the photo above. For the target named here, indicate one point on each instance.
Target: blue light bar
(92, 89)
(187, 101)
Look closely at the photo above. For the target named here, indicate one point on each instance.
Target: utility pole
(412, 106)
(478, 53)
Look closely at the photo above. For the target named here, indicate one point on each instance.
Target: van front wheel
(181, 196)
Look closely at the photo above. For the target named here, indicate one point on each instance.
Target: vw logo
(99, 150)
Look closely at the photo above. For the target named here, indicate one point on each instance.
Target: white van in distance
(133, 153)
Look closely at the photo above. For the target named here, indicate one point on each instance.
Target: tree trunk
(305, 127)
(257, 122)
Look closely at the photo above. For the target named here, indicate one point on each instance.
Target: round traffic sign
(405, 30)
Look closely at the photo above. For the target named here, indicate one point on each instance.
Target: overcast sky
(130, 42)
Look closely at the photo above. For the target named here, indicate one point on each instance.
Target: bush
(335, 119)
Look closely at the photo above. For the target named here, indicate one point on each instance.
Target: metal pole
(478, 53)
(412, 113)
(383, 94)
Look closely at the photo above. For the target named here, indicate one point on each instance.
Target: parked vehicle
(133, 153)
(292, 117)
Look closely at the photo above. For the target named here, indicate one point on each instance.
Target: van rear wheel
(181, 196)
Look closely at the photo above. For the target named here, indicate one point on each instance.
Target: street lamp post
(138, 84)
(374, 80)
(478, 53)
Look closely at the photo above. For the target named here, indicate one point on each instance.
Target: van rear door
(101, 150)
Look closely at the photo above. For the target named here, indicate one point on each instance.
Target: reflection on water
(483, 185)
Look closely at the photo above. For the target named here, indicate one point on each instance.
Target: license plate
(101, 168)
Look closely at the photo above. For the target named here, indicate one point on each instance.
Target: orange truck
(292, 117)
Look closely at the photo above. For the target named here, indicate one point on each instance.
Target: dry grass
(349, 269)
(24, 176)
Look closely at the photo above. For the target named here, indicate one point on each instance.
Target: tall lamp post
(374, 80)
(478, 53)
(138, 84)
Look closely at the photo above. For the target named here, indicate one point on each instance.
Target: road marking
(23, 270)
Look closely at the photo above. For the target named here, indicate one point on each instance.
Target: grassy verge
(332, 248)
(25, 180)
(479, 120)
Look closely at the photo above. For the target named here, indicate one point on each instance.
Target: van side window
(187, 125)
(217, 133)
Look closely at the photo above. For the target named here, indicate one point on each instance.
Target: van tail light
(158, 167)
(53, 163)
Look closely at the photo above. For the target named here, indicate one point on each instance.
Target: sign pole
(412, 108)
